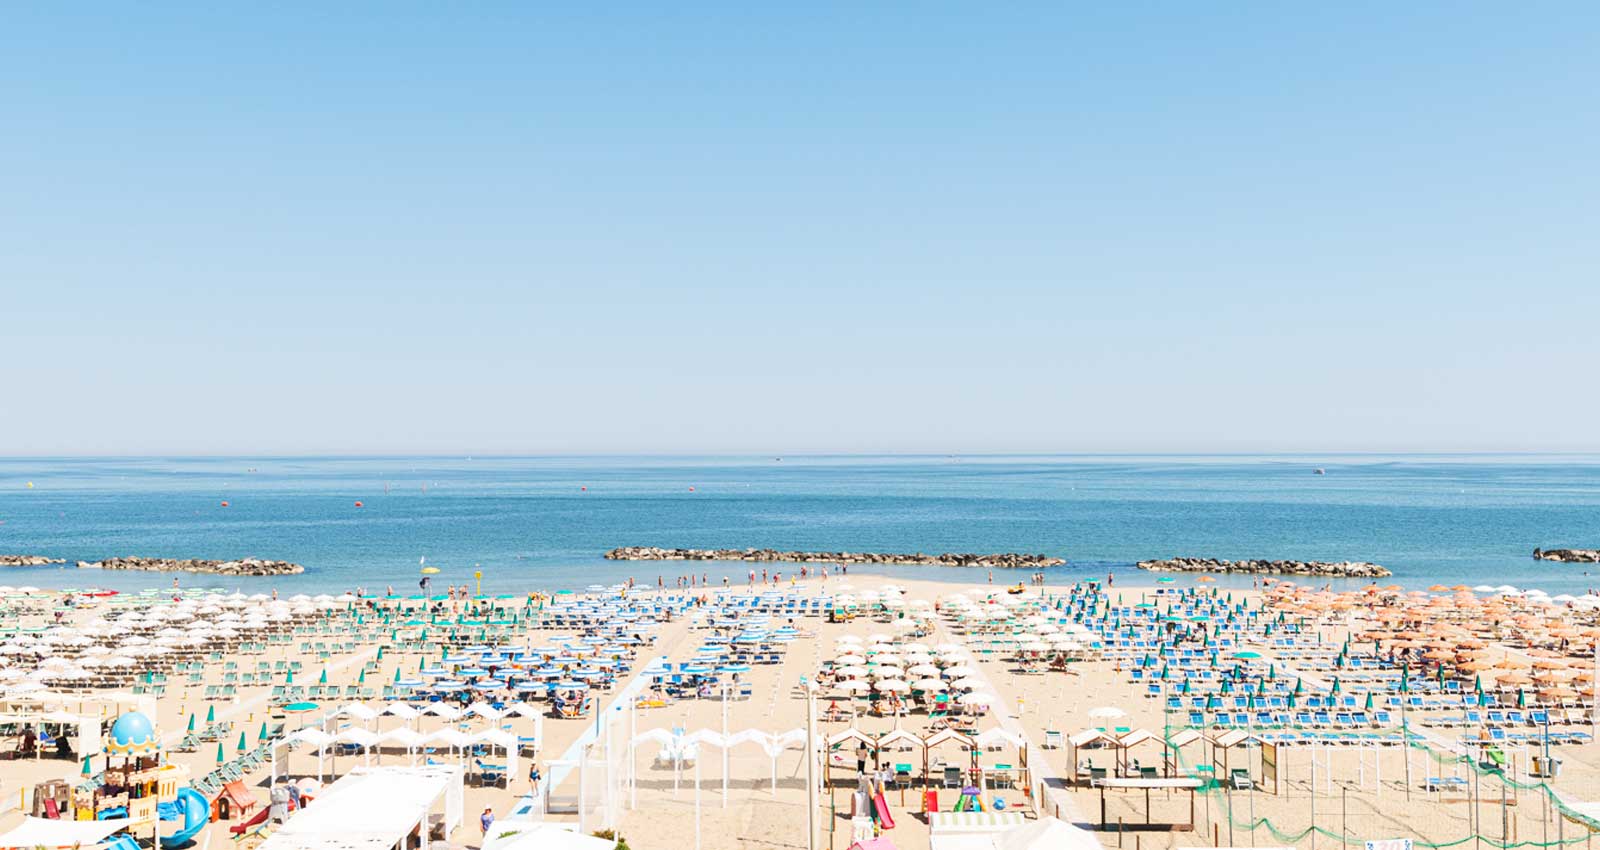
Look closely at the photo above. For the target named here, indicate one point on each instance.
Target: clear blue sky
(483, 228)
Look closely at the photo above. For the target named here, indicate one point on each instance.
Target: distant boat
(1319, 471)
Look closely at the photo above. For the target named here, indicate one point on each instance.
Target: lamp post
(811, 759)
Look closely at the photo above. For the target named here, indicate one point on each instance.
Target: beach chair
(1052, 739)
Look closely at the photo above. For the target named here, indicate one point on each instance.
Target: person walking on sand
(486, 820)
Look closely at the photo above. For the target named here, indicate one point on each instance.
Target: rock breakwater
(28, 561)
(242, 567)
(1000, 560)
(1569, 556)
(1329, 569)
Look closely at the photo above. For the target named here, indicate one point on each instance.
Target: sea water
(544, 522)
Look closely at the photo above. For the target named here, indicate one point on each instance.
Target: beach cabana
(1172, 752)
(1128, 741)
(938, 739)
(1087, 739)
(310, 736)
(1015, 771)
(1222, 746)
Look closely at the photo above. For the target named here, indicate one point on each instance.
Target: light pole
(811, 759)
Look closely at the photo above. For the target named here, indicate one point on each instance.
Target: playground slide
(885, 819)
(255, 821)
(195, 811)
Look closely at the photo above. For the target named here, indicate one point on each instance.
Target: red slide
(257, 820)
(885, 819)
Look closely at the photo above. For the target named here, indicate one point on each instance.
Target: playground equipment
(880, 807)
(969, 801)
(139, 785)
(192, 809)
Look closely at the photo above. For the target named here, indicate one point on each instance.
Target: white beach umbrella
(977, 698)
(929, 684)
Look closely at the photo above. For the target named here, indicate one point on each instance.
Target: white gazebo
(375, 809)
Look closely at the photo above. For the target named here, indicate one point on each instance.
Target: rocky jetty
(1339, 569)
(1001, 560)
(242, 567)
(1568, 556)
(28, 561)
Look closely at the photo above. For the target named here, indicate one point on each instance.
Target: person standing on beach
(486, 820)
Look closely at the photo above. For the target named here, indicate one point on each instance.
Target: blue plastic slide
(195, 812)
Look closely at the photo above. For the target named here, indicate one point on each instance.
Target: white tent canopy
(536, 835)
(374, 809)
(44, 832)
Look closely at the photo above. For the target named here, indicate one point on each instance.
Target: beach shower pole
(1344, 814)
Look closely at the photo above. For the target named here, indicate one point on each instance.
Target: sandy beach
(1048, 721)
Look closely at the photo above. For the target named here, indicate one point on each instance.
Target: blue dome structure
(132, 734)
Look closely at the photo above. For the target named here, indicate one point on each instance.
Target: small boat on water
(1319, 471)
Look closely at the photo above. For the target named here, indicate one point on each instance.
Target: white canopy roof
(1047, 834)
(372, 809)
(44, 832)
(536, 835)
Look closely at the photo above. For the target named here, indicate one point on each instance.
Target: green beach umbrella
(323, 679)
(1522, 698)
(380, 653)
(1369, 700)
(262, 735)
(220, 757)
(211, 714)
(191, 721)
(397, 674)
(242, 745)
(88, 769)
(288, 679)
(362, 679)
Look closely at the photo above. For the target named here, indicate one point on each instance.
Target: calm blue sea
(530, 523)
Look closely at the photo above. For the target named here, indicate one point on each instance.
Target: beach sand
(1360, 790)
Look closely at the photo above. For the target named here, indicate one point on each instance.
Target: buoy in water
(583, 489)
(691, 489)
(224, 504)
(359, 505)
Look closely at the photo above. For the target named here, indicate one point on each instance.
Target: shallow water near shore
(545, 522)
